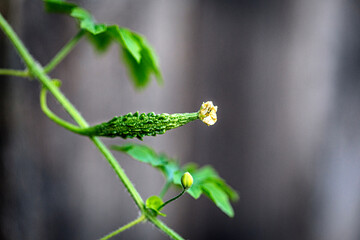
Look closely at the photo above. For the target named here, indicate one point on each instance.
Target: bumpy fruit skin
(187, 180)
(140, 125)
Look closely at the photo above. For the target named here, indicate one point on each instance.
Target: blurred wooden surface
(284, 75)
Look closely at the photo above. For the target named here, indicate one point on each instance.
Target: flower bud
(186, 180)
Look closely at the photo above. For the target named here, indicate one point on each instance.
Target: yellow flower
(207, 113)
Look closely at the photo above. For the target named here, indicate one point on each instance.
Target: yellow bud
(187, 180)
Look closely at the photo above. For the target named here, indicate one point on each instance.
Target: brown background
(286, 78)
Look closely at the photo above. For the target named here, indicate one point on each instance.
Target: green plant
(142, 63)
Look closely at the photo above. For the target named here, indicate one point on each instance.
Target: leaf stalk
(172, 199)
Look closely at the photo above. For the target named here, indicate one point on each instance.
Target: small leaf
(142, 71)
(233, 195)
(195, 191)
(190, 167)
(145, 154)
(209, 174)
(84, 17)
(149, 56)
(138, 55)
(86, 21)
(130, 43)
(205, 173)
(169, 168)
(100, 41)
(141, 153)
(81, 14)
(153, 203)
(220, 198)
(139, 72)
(56, 82)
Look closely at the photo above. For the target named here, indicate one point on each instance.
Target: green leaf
(139, 56)
(208, 174)
(131, 43)
(190, 167)
(219, 197)
(206, 180)
(205, 173)
(153, 203)
(168, 167)
(100, 41)
(84, 17)
(195, 191)
(81, 14)
(56, 82)
(141, 153)
(58, 6)
(233, 195)
(86, 21)
(146, 154)
(141, 70)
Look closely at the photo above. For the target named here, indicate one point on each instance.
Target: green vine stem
(173, 199)
(64, 52)
(123, 228)
(53, 63)
(162, 226)
(39, 73)
(16, 73)
(52, 116)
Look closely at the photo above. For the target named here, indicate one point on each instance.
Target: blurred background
(286, 78)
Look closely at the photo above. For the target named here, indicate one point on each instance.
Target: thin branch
(16, 73)
(52, 116)
(64, 52)
(173, 199)
(123, 228)
(162, 226)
